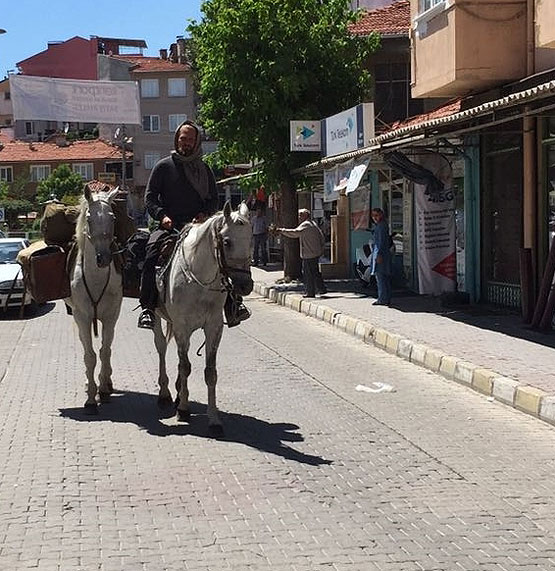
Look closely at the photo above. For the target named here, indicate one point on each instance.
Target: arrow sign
(306, 132)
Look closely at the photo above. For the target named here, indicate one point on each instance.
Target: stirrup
(146, 319)
(235, 312)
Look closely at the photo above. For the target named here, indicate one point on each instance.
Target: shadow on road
(142, 410)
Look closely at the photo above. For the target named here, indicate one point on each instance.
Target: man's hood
(176, 135)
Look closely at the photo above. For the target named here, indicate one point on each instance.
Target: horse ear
(227, 209)
(244, 210)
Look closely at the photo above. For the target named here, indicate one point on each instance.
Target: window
(6, 174)
(176, 120)
(29, 128)
(149, 88)
(151, 158)
(7, 95)
(84, 169)
(427, 4)
(39, 172)
(151, 123)
(177, 87)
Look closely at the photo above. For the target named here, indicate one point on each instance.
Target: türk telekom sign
(82, 101)
(348, 131)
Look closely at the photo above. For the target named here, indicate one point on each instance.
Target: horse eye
(227, 242)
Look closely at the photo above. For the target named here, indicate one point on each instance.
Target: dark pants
(312, 277)
(149, 293)
(383, 281)
(260, 252)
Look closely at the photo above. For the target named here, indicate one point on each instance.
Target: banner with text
(435, 223)
(82, 101)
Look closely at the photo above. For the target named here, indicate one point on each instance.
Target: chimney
(163, 54)
(181, 56)
(173, 53)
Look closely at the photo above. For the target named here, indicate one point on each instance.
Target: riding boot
(235, 311)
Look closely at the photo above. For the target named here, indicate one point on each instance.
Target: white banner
(435, 223)
(81, 101)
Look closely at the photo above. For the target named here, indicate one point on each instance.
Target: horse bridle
(227, 272)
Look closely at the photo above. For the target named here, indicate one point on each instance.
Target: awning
(420, 131)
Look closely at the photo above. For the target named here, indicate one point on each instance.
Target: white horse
(210, 260)
(96, 289)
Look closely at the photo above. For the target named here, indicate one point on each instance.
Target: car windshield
(8, 252)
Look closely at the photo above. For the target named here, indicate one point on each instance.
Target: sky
(31, 24)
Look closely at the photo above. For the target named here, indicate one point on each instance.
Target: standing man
(181, 189)
(312, 247)
(380, 259)
(260, 237)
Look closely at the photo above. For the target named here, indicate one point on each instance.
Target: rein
(224, 269)
(93, 301)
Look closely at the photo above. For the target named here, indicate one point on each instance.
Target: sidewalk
(481, 347)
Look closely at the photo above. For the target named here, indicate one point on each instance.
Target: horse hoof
(91, 408)
(165, 401)
(183, 415)
(104, 397)
(216, 430)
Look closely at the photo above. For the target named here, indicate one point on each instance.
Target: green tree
(13, 206)
(63, 184)
(262, 63)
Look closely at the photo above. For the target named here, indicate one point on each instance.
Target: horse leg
(85, 335)
(184, 369)
(213, 337)
(161, 344)
(105, 377)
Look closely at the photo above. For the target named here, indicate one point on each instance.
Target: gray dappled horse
(209, 260)
(96, 288)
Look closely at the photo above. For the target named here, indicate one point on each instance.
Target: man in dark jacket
(181, 189)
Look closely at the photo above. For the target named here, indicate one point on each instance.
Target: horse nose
(102, 260)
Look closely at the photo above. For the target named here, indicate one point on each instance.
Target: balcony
(545, 24)
(459, 47)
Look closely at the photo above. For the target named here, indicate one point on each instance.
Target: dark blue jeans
(260, 252)
(384, 287)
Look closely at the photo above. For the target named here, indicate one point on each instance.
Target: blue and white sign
(2, 214)
(349, 130)
(305, 135)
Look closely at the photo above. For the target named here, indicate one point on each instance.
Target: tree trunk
(289, 219)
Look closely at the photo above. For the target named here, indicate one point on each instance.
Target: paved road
(312, 474)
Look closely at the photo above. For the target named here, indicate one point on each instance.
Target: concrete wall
(467, 48)
(545, 23)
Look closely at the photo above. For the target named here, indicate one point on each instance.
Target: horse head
(234, 245)
(99, 223)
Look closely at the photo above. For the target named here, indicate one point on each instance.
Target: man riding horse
(181, 189)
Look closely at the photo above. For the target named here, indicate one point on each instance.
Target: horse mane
(217, 220)
(81, 223)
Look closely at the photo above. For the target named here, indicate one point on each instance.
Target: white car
(11, 273)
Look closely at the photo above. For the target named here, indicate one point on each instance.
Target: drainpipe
(529, 148)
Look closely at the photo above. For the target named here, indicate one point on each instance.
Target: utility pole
(123, 159)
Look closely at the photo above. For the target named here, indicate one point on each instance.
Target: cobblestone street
(311, 475)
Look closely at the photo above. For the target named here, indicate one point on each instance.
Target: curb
(511, 392)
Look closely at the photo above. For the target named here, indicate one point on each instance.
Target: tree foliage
(262, 63)
(13, 206)
(62, 184)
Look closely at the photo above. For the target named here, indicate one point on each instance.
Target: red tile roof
(392, 20)
(449, 108)
(21, 152)
(144, 64)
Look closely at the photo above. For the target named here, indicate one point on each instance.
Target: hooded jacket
(170, 193)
